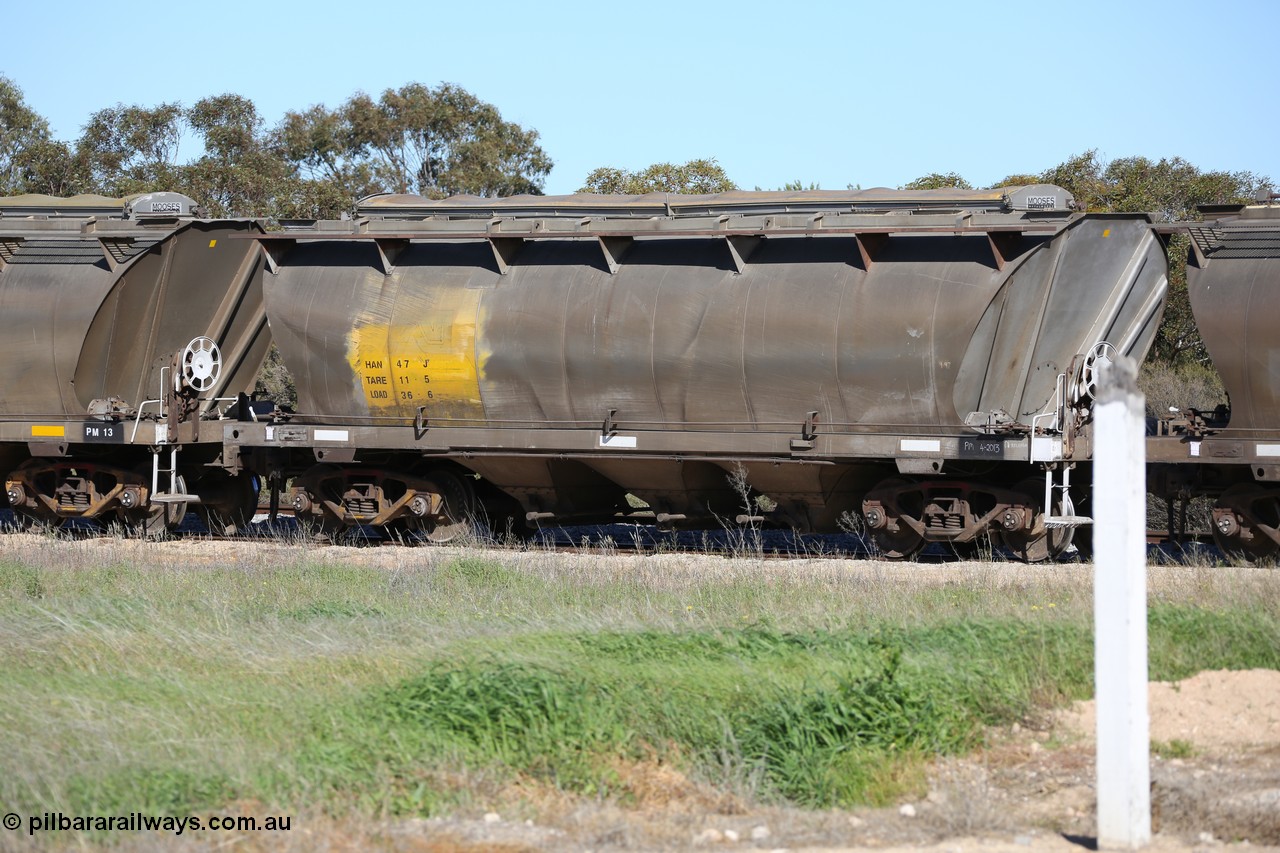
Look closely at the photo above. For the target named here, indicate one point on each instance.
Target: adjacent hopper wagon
(1233, 453)
(128, 325)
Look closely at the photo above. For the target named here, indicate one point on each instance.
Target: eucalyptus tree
(938, 181)
(694, 177)
(31, 160)
(134, 148)
(244, 172)
(416, 139)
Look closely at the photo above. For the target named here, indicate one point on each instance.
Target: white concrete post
(1120, 609)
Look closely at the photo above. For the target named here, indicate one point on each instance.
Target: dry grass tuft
(652, 785)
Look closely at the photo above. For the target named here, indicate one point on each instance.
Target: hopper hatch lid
(162, 205)
(1040, 197)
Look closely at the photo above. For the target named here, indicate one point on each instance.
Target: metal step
(1058, 521)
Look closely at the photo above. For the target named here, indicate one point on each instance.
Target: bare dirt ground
(1215, 777)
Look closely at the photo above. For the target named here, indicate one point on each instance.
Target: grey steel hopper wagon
(923, 361)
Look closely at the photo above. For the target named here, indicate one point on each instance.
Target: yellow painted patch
(433, 363)
(1106, 232)
(212, 243)
(49, 431)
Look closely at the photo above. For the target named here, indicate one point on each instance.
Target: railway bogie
(436, 502)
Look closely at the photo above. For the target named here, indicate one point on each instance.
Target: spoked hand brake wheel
(1086, 385)
(201, 364)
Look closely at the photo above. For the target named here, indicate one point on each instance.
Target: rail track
(748, 542)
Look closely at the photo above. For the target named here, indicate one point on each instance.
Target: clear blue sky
(869, 93)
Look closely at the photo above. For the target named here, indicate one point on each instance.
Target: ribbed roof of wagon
(1001, 199)
(1251, 232)
(154, 205)
(84, 205)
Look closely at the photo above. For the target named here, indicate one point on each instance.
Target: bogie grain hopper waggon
(129, 325)
(1232, 454)
(923, 361)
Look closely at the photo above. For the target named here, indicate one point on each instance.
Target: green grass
(299, 681)
(1176, 748)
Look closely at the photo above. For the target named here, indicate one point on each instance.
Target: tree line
(316, 163)
(440, 141)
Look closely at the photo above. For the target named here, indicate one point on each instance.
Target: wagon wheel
(229, 503)
(1236, 528)
(1040, 543)
(894, 539)
(501, 517)
(324, 530)
(456, 518)
(318, 484)
(156, 520)
(901, 544)
(24, 520)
